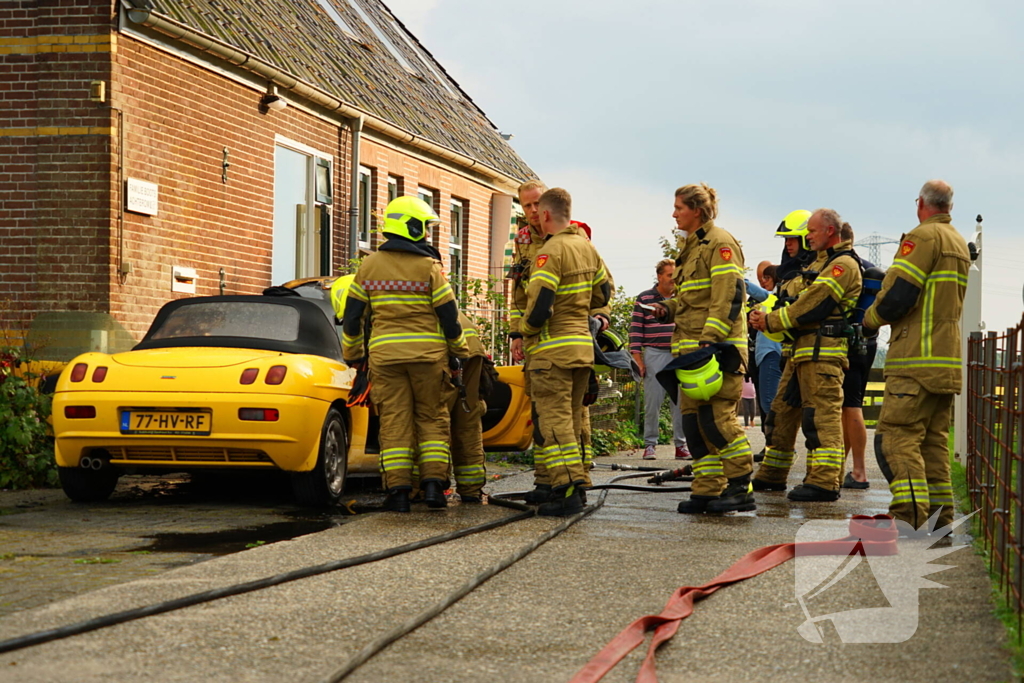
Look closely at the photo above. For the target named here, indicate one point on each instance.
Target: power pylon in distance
(873, 243)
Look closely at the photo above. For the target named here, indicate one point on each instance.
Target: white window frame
(365, 197)
(456, 275)
(392, 185)
(307, 264)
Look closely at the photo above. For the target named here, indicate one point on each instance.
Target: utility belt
(837, 329)
(830, 328)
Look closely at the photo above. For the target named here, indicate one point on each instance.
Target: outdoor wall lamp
(271, 101)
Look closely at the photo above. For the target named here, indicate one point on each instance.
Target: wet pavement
(540, 620)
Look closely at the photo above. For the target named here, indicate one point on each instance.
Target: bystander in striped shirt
(645, 329)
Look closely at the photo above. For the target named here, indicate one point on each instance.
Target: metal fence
(995, 450)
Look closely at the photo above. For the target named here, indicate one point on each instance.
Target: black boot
(761, 485)
(737, 497)
(398, 500)
(538, 495)
(564, 501)
(470, 499)
(696, 505)
(809, 493)
(759, 457)
(433, 493)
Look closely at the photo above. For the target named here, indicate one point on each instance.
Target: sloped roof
(301, 38)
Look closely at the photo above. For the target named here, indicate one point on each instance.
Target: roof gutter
(244, 60)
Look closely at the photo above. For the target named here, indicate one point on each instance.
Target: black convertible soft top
(288, 324)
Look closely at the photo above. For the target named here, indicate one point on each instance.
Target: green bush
(622, 437)
(26, 440)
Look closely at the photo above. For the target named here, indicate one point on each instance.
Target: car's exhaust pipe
(85, 463)
(93, 463)
(98, 463)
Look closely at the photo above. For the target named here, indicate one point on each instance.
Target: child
(749, 395)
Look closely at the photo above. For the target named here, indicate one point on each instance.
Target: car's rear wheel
(87, 486)
(323, 484)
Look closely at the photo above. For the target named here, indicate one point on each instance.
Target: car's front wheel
(87, 485)
(323, 484)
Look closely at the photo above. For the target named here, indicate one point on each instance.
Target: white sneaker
(649, 453)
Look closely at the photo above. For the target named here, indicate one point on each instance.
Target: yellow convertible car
(235, 382)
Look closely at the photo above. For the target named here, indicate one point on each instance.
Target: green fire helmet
(702, 380)
(409, 217)
(795, 225)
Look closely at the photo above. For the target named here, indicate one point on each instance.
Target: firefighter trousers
(913, 452)
(820, 414)
(557, 398)
(412, 400)
(467, 435)
(721, 451)
(540, 472)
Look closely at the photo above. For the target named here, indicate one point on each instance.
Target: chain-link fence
(995, 450)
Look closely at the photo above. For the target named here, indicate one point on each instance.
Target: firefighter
(466, 419)
(922, 299)
(567, 281)
(810, 391)
(401, 295)
(708, 309)
(527, 244)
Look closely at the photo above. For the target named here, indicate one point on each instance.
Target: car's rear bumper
(291, 443)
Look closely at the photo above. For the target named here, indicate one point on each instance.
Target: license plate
(174, 422)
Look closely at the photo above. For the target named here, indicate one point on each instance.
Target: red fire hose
(868, 536)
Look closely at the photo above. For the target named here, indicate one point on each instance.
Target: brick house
(156, 148)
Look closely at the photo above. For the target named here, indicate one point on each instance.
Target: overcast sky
(778, 104)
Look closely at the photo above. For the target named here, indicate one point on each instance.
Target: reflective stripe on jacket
(828, 299)
(922, 300)
(710, 292)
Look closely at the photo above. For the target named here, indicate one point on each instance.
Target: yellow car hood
(206, 357)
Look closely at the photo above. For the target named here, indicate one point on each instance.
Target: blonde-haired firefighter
(414, 328)
(708, 309)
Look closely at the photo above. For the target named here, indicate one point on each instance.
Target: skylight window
(428, 61)
(333, 14)
(380, 34)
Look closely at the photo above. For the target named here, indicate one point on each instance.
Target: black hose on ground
(97, 623)
(405, 629)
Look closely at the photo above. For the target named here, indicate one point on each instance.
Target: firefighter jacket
(708, 303)
(473, 343)
(567, 282)
(528, 243)
(409, 304)
(818, 317)
(922, 299)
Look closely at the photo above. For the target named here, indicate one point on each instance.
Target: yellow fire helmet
(339, 294)
(409, 217)
(795, 225)
(702, 382)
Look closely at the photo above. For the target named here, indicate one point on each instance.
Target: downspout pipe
(147, 17)
(353, 204)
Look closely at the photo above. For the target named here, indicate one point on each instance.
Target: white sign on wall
(143, 197)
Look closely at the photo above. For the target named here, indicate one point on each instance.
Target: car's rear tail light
(275, 375)
(258, 414)
(99, 374)
(249, 375)
(79, 412)
(78, 372)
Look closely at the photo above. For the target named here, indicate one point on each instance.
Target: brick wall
(476, 199)
(54, 204)
(178, 120)
(62, 230)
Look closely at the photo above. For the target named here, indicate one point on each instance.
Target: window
(380, 36)
(428, 196)
(365, 185)
(333, 14)
(301, 244)
(455, 254)
(394, 188)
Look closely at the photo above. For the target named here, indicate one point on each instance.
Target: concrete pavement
(540, 620)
